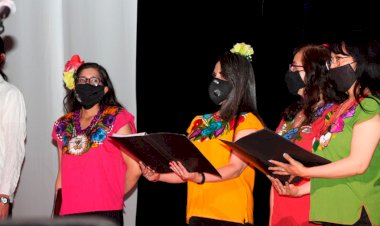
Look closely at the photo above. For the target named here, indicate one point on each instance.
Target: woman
(346, 191)
(300, 123)
(94, 174)
(212, 200)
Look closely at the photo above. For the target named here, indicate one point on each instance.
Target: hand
(4, 210)
(287, 189)
(294, 168)
(148, 173)
(181, 171)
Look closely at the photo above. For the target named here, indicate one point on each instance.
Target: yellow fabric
(230, 200)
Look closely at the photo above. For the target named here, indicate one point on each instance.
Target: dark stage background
(177, 45)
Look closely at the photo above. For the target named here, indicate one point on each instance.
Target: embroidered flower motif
(335, 127)
(211, 126)
(68, 74)
(95, 137)
(243, 49)
(291, 134)
(325, 139)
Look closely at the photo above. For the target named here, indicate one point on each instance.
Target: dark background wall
(177, 45)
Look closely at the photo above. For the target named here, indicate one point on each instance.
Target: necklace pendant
(78, 145)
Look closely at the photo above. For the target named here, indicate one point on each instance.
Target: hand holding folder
(259, 147)
(156, 150)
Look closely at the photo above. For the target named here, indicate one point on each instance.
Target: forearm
(130, 181)
(230, 171)
(14, 154)
(304, 189)
(346, 167)
(171, 178)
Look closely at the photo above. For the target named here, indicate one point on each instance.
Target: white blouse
(12, 136)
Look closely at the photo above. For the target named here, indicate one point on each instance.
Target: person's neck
(89, 113)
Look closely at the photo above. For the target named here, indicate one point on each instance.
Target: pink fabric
(95, 180)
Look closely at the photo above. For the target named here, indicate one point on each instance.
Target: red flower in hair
(71, 66)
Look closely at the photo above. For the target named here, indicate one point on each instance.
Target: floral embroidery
(333, 128)
(95, 137)
(211, 126)
(339, 124)
(290, 133)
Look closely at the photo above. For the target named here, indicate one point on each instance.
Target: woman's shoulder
(117, 111)
(250, 120)
(64, 118)
(371, 103)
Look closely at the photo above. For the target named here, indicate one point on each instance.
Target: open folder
(156, 150)
(259, 147)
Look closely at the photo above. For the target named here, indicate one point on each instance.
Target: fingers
(179, 169)
(278, 170)
(291, 178)
(277, 163)
(288, 158)
(280, 188)
(148, 173)
(142, 165)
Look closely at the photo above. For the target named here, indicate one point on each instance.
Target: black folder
(156, 150)
(259, 147)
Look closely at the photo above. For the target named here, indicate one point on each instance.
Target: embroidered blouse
(341, 200)
(94, 179)
(229, 200)
(293, 211)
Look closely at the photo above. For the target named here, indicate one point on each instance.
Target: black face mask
(294, 81)
(89, 95)
(343, 77)
(219, 90)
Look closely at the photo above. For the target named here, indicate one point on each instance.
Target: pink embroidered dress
(93, 178)
(294, 211)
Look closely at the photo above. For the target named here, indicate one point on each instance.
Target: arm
(133, 170)
(230, 171)
(12, 150)
(365, 138)
(288, 189)
(58, 182)
(153, 176)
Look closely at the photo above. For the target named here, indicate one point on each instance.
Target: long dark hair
(238, 70)
(314, 58)
(109, 99)
(2, 51)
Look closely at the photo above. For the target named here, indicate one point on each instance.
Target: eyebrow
(93, 76)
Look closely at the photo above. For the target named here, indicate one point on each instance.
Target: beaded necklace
(77, 128)
(78, 143)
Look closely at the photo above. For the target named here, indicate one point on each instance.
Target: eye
(82, 80)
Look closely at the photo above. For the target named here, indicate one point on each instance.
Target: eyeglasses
(294, 67)
(92, 81)
(335, 60)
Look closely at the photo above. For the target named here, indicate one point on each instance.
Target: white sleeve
(12, 139)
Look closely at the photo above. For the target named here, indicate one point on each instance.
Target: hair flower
(70, 67)
(243, 49)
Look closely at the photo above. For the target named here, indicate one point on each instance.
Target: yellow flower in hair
(243, 49)
(68, 78)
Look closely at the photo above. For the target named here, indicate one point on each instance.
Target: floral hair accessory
(68, 74)
(243, 49)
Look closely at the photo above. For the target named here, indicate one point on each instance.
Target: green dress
(341, 200)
